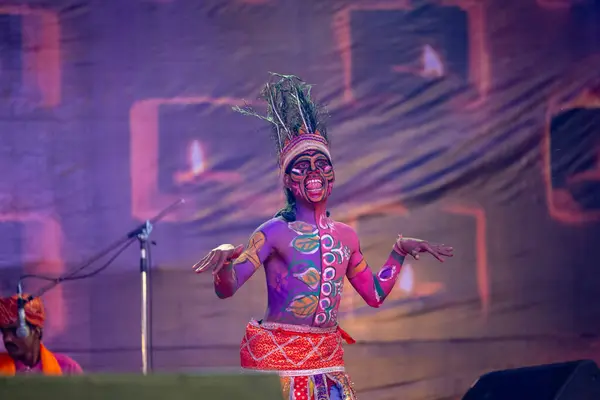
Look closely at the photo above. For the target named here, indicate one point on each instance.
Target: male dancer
(306, 256)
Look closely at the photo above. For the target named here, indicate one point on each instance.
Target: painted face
(311, 177)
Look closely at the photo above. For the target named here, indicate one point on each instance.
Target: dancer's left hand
(415, 246)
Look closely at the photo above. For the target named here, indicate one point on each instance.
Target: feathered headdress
(297, 122)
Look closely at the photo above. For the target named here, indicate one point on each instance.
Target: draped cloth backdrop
(474, 123)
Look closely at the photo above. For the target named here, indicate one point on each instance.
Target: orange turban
(34, 311)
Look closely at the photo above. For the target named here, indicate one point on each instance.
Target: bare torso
(305, 270)
(306, 261)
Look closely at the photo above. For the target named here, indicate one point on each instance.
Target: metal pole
(141, 233)
(144, 342)
(143, 239)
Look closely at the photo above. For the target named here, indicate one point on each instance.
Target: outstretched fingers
(446, 251)
(201, 265)
(430, 249)
(218, 258)
(208, 263)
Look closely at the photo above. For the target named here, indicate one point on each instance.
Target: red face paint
(312, 177)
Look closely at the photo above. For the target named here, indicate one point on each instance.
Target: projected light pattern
(419, 291)
(199, 170)
(147, 197)
(42, 242)
(406, 280)
(457, 26)
(410, 289)
(433, 67)
(571, 154)
(31, 50)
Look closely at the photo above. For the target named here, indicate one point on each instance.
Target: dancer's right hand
(217, 258)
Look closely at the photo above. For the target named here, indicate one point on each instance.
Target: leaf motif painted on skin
(307, 244)
(301, 265)
(256, 243)
(311, 277)
(302, 227)
(303, 305)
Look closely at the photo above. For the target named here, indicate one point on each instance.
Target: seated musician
(28, 355)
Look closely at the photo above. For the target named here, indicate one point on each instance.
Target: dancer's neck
(310, 212)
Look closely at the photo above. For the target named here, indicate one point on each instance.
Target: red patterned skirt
(309, 360)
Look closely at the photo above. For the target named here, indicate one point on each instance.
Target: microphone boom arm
(143, 229)
(141, 234)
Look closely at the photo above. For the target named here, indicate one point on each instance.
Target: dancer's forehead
(310, 155)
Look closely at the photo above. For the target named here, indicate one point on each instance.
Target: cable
(143, 229)
(141, 234)
(127, 240)
(72, 275)
(103, 267)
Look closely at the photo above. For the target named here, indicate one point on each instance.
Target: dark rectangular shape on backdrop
(197, 138)
(575, 155)
(11, 56)
(407, 50)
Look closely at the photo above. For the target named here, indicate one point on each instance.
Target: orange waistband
(347, 338)
(304, 330)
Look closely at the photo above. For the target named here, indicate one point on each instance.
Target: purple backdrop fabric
(471, 123)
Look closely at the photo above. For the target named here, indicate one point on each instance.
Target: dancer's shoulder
(273, 225)
(344, 228)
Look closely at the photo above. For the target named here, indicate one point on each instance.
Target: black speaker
(576, 380)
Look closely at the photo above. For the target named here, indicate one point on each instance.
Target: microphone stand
(141, 233)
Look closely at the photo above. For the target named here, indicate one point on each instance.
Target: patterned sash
(309, 360)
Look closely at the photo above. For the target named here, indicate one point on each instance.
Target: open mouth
(314, 187)
(11, 347)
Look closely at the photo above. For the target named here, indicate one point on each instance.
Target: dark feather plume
(289, 109)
